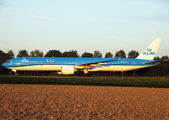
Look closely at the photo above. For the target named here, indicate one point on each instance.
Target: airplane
(68, 66)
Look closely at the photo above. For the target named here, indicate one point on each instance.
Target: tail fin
(150, 51)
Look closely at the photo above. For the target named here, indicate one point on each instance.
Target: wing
(92, 64)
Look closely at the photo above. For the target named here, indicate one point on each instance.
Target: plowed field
(82, 102)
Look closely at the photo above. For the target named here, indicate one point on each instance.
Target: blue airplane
(68, 66)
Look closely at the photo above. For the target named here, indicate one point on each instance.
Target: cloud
(32, 15)
(118, 38)
(162, 26)
(7, 4)
(154, 32)
(14, 13)
(41, 17)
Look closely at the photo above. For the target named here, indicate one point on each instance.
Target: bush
(160, 82)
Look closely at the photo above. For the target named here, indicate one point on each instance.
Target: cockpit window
(8, 61)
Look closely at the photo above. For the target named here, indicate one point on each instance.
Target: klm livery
(67, 66)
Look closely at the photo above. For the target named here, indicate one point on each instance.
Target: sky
(84, 25)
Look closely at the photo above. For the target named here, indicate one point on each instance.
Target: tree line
(71, 53)
(162, 69)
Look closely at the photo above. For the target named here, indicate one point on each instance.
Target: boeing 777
(67, 66)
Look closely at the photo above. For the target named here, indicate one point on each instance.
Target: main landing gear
(84, 75)
(16, 74)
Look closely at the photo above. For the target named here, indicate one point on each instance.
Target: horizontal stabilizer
(165, 60)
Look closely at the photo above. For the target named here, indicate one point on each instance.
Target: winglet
(150, 51)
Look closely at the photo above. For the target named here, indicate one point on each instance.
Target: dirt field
(82, 102)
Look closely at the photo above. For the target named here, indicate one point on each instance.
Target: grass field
(159, 82)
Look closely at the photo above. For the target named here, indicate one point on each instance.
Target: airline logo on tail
(148, 52)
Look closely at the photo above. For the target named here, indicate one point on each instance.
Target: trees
(36, 53)
(109, 55)
(71, 53)
(156, 58)
(2, 56)
(87, 55)
(164, 57)
(23, 53)
(9, 55)
(163, 68)
(133, 54)
(160, 70)
(120, 54)
(164, 65)
(53, 53)
(97, 54)
(64, 54)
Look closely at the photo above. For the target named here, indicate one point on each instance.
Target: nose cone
(3, 64)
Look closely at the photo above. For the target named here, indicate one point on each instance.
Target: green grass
(159, 82)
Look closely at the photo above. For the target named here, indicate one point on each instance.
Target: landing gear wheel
(84, 75)
(16, 74)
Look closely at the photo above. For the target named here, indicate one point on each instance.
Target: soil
(83, 102)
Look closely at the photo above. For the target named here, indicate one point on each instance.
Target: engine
(67, 70)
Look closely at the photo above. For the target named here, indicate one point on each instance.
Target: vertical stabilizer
(150, 51)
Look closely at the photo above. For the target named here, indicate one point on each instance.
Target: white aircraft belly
(118, 68)
(39, 68)
(58, 68)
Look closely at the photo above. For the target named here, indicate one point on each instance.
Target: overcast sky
(84, 25)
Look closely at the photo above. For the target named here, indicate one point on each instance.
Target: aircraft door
(133, 64)
(40, 67)
(76, 62)
(18, 63)
(41, 62)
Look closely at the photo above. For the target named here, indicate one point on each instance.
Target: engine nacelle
(67, 70)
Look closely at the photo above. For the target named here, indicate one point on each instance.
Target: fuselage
(55, 64)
